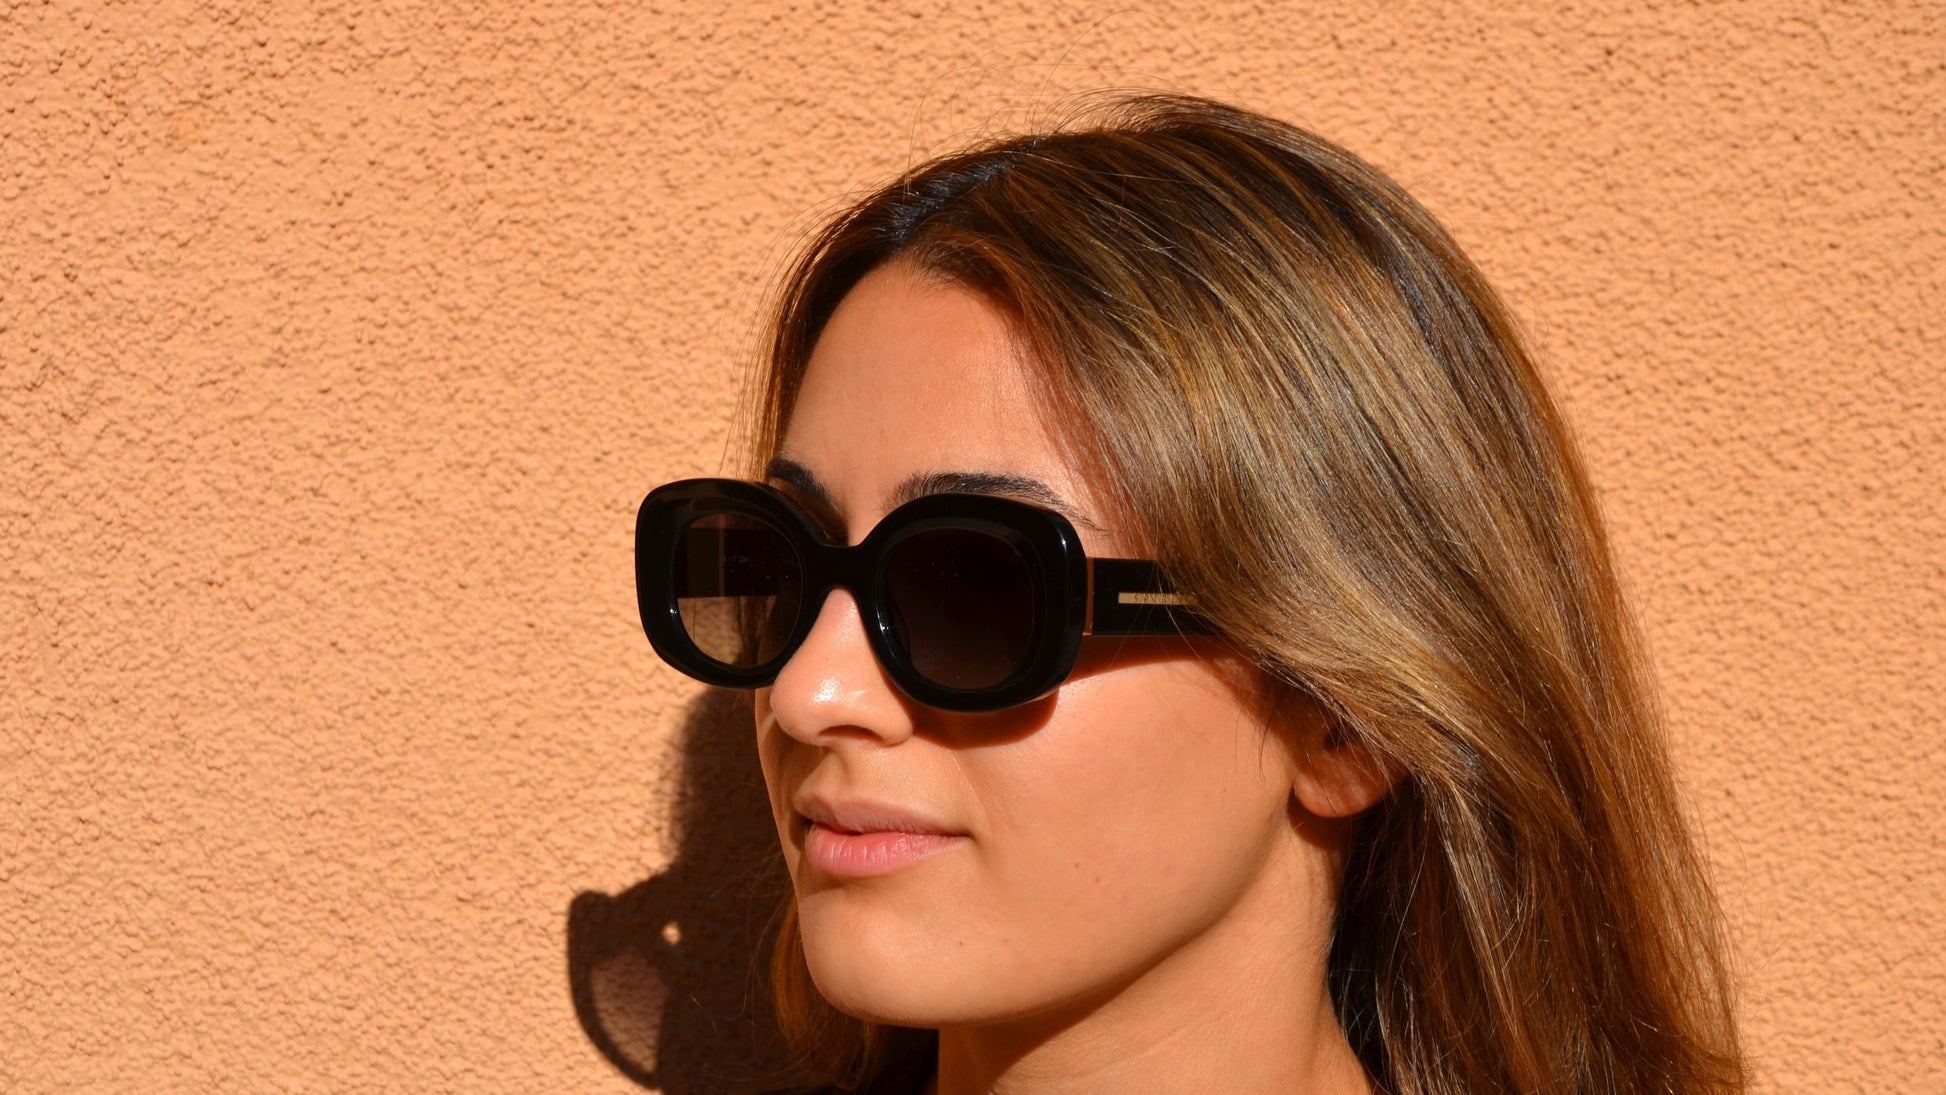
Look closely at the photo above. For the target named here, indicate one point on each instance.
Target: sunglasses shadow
(668, 977)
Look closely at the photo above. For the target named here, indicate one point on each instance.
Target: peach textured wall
(338, 344)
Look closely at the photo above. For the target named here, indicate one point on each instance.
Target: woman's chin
(883, 970)
(876, 982)
(895, 994)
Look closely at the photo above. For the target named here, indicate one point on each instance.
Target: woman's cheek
(1115, 836)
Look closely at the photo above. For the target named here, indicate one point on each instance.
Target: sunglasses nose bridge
(834, 567)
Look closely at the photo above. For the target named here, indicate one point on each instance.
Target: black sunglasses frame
(1073, 595)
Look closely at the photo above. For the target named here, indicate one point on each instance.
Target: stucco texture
(338, 344)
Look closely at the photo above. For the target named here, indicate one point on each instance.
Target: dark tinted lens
(738, 585)
(961, 606)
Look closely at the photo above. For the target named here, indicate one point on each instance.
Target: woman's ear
(1340, 780)
(1333, 774)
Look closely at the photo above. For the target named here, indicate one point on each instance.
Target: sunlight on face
(1075, 843)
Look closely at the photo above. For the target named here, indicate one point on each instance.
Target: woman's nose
(833, 688)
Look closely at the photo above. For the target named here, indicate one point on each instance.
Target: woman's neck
(1242, 1008)
(1197, 1053)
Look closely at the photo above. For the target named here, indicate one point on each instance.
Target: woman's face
(1071, 846)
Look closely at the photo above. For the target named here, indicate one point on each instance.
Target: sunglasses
(970, 602)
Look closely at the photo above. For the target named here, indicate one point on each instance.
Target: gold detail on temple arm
(1172, 599)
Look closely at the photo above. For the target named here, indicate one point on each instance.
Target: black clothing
(915, 1058)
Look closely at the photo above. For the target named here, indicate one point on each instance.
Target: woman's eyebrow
(1019, 487)
(799, 477)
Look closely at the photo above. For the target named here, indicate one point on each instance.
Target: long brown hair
(1323, 421)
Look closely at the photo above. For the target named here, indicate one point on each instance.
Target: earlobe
(1340, 778)
(1334, 774)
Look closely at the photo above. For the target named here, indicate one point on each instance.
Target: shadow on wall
(668, 977)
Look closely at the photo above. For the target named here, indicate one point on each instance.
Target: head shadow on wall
(668, 977)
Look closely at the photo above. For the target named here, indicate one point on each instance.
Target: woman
(1227, 686)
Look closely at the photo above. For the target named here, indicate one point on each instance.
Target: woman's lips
(868, 854)
(849, 837)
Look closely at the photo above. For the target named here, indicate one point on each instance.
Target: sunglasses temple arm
(1133, 597)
